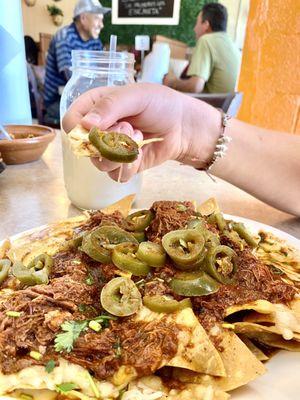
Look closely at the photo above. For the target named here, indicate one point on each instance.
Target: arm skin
(264, 163)
(261, 162)
(194, 84)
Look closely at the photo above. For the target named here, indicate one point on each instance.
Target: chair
(44, 43)
(228, 102)
(36, 89)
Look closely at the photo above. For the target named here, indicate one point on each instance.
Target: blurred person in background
(215, 62)
(82, 34)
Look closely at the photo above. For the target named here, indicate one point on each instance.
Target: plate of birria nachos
(177, 302)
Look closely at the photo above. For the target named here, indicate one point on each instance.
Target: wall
(189, 10)
(237, 19)
(37, 19)
(270, 76)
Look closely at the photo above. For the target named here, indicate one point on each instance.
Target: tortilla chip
(4, 248)
(240, 364)
(195, 350)
(124, 206)
(261, 306)
(42, 394)
(210, 206)
(282, 258)
(47, 239)
(285, 319)
(268, 335)
(259, 354)
(81, 146)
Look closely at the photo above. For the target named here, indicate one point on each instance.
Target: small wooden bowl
(29, 143)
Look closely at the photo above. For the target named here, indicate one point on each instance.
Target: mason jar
(87, 187)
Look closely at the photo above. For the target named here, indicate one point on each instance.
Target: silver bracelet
(221, 145)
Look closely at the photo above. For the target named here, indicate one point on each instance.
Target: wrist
(202, 127)
(173, 83)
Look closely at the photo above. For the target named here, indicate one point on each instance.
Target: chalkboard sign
(145, 12)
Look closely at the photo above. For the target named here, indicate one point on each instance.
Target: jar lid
(102, 60)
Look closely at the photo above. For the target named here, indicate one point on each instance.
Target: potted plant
(56, 14)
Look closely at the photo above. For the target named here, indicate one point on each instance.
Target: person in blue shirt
(82, 34)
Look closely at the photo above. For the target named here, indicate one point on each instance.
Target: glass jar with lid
(87, 187)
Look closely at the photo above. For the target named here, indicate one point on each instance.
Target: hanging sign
(145, 12)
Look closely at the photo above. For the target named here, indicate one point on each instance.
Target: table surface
(33, 194)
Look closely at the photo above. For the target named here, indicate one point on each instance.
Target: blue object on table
(14, 98)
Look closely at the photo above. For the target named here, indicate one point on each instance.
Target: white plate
(282, 379)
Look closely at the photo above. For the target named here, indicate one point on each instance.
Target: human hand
(189, 128)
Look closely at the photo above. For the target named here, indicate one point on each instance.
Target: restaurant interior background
(266, 32)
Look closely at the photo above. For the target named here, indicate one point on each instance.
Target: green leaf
(65, 387)
(89, 280)
(49, 367)
(72, 329)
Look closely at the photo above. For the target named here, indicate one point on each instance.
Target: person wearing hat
(82, 34)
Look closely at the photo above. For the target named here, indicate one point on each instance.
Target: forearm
(190, 85)
(263, 163)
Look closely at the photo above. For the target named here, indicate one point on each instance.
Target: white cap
(89, 6)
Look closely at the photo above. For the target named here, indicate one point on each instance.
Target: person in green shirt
(215, 62)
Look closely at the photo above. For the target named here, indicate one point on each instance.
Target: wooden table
(33, 194)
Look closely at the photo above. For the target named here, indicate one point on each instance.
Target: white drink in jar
(87, 187)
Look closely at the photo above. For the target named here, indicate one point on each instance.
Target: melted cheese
(152, 388)
(36, 377)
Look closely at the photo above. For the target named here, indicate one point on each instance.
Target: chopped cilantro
(72, 329)
(118, 349)
(36, 355)
(181, 208)
(121, 392)
(82, 308)
(276, 270)
(14, 314)
(89, 280)
(49, 367)
(65, 387)
(93, 385)
(104, 320)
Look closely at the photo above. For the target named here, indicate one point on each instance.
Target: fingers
(123, 172)
(119, 103)
(81, 107)
(117, 171)
(104, 106)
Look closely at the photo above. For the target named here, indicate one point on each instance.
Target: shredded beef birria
(71, 296)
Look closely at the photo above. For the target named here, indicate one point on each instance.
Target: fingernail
(137, 136)
(93, 119)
